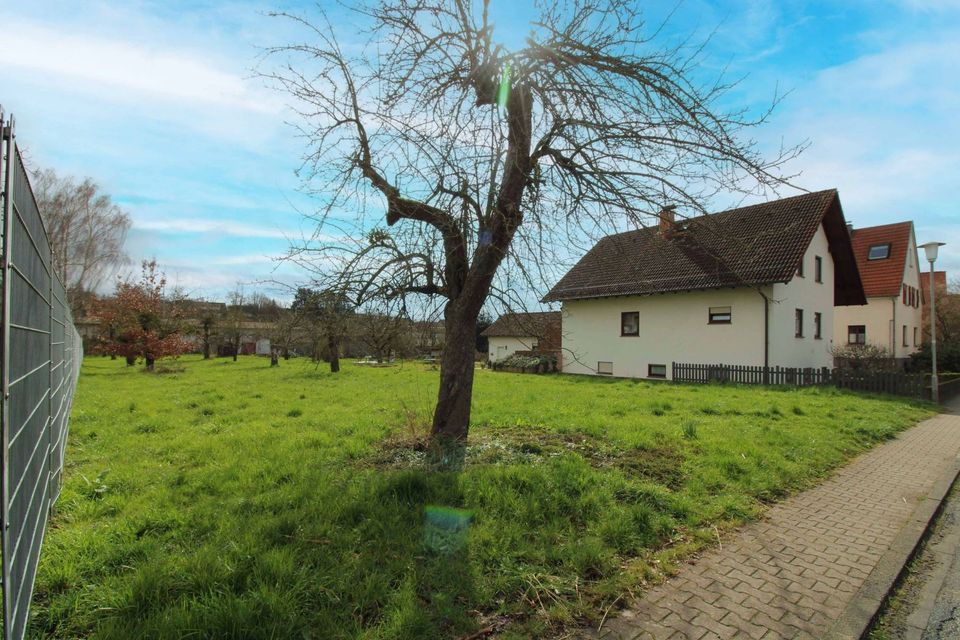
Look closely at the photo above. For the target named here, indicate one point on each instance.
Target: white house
(889, 267)
(749, 286)
(514, 332)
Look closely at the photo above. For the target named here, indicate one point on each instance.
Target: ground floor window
(817, 325)
(630, 323)
(798, 323)
(657, 371)
(856, 334)
(916, 337)
(605, 368)
(905, 336)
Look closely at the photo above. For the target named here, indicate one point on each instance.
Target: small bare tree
(473, 154)
(384, 330)
(325, 317)
(87, 230)
(233, 319)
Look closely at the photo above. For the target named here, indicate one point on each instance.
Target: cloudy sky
(158, 101)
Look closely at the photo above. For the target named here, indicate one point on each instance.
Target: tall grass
(235, 500)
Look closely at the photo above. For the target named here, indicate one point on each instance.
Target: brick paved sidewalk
(792, 574)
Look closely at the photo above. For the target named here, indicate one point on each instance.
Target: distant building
(513, 332)
(889, 268)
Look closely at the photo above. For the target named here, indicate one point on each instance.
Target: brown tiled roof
(523, 324)
(882, 278)
(749, 246)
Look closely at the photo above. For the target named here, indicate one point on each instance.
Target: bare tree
(474, 154)
(324, 316)
(384, 330)
(87, 230)
(234, 318)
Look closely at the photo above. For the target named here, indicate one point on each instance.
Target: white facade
(675, 327)
(263, 347)
(504, 347)
(890, 323)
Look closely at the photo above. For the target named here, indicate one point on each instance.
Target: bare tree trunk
(451, 419)
(236, 350)
(206, 343)
(333, 345)
(274, 358)
(149, 362)
(131, 360)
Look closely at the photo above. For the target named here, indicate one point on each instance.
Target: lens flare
(503, 93)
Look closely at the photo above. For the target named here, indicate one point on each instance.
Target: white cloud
(178, 75)
(880, 132)
(224, 227)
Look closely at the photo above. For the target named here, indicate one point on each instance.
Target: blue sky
(157, 101)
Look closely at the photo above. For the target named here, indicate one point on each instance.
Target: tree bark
(451, 419)
(131, 360)
(333, 345)
(274, 358)
(206, 343)
(149, 362)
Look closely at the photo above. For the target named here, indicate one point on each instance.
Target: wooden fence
(912, 385)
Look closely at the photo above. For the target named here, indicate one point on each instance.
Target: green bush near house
(236, 500)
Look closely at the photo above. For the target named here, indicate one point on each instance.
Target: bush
(864, 357)
(527, 363)
(948, 357)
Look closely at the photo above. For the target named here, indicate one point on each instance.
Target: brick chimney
(667, 217)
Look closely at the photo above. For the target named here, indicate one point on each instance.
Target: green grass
(236, 500)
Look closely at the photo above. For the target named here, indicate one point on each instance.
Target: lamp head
(930, 248)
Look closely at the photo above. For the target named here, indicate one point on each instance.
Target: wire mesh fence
(41, 354)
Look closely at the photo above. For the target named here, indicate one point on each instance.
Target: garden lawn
(235, 500)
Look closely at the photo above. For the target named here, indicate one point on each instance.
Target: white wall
(884, 317)
(673, 328)
(501, 347)
(787, 350)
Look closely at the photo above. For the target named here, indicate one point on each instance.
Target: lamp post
(930, 249)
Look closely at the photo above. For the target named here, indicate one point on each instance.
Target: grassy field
(232, 500)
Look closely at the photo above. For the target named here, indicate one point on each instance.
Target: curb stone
(860, 613)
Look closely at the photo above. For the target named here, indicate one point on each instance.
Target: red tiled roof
(882, 278)
(749, 246)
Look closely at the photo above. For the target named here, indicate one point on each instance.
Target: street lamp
(930, 249)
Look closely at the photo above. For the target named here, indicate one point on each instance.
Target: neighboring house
(888, 265)
(750, 286)
(514, 332)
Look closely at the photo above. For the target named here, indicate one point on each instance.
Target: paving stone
(791, 574)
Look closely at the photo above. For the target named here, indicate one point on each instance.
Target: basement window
(605, 368)
(656, 371)
(721, 315)
(879, 252)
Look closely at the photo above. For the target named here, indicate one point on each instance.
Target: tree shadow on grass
(435, 588)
